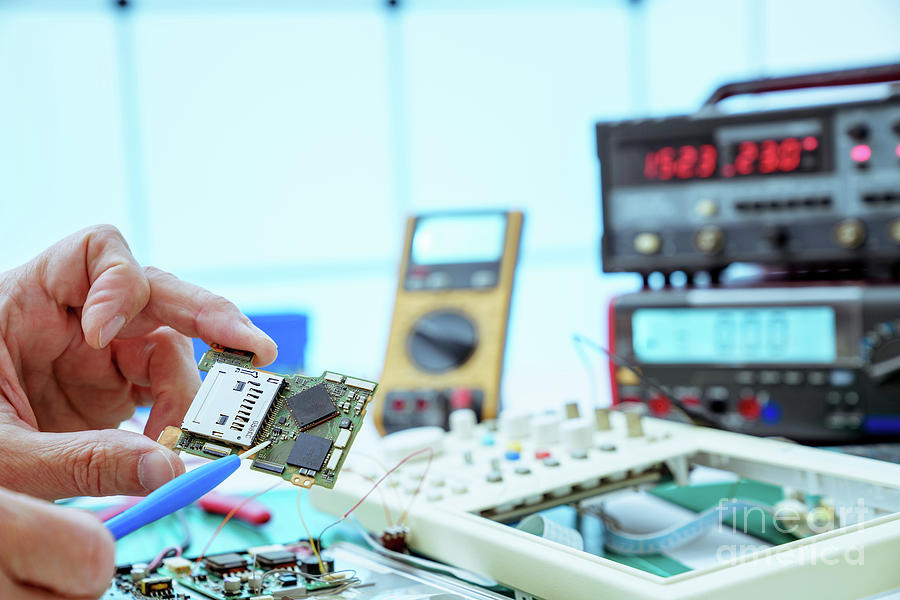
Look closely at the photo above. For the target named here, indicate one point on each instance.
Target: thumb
(88, 463)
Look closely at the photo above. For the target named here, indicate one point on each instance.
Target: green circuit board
(310, 422)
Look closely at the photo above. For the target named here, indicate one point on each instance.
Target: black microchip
(287, 580)
(276, 431)
(276, 559)
(222, 563)
(282, 420)
(309, 452)
(312, 406)
(346, 423)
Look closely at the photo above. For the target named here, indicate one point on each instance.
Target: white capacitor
(577, 434)
(545, 430)
(462, 422)
(515, 426)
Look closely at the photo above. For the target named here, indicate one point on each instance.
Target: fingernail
(154, 469)
(111, 330)
(262, 333)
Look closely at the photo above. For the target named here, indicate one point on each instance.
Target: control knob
(881, 351)
(578, 434)
(545, 429)
(441, 341)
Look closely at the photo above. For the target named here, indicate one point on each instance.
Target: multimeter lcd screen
(801, 334)
(458, 239)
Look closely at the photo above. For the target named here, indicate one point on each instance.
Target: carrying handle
(857, 76)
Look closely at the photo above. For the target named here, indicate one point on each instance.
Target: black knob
(858, 131)
(777, 236)
(884, 360)
(441, 340)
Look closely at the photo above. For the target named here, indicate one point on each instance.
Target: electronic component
(343, 438)
(394, 538)
(276, 559)
(334, 459)
(216, 449)
(312, 406)
(448, 333)
(798, 187)
(298, 404)
(178, 565)
(231, 584)
(475, 501)
(268, 466)
(155, 586)
(310, 564)
(309, 451)
(231, 403)
(225, 563)
(812, 362)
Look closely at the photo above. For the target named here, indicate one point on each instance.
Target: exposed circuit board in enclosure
(288, 571)
(310, 422)
(259, 573)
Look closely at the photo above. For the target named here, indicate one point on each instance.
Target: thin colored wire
(385, 476)
(374, 486)
(405, 513)
(230, 514)
(308, 534)
(387, 509)
(579, 343)
(166, 553)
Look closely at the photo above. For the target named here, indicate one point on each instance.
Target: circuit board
(310, 422)
(263, 573)
(286, 571)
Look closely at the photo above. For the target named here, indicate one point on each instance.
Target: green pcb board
(309, 422)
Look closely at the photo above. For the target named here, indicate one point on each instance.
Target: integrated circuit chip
(276, 559)
(309, 451)
(225, 563)
(312, 406)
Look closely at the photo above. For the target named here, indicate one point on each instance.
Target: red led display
(682, 162)
(772, 156)
(749, 157)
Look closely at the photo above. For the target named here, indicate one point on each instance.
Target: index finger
(198, 313)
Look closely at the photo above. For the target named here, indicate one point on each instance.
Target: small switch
(858, 131)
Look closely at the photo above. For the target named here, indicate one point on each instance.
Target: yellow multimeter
(448, 335)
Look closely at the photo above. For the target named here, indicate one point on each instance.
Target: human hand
(51, 552)
(86, 335)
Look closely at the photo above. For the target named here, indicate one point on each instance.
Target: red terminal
(861, 153)
(421, 404)
(460, 398)
(541, 454)
(659, 405)
(749, 408)
(255, 513)
(398, 405)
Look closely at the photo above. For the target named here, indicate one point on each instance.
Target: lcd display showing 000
(729, 336)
